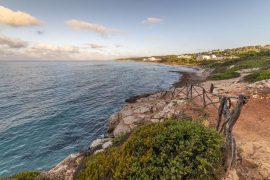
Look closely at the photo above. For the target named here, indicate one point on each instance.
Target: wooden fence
(228, 114)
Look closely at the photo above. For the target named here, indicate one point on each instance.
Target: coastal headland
(245, 75)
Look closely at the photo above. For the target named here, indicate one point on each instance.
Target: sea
(49, 110)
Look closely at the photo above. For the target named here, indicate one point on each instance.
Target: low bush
(257, 76)
(168, 150)
(224, 75)
(26, 175)
(120, 139)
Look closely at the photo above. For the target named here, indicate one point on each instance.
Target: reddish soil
(254, 122)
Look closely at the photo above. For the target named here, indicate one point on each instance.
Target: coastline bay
(51, 109)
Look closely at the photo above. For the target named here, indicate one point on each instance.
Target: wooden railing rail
(228, 114)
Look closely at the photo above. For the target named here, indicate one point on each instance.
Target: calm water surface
(49, 110)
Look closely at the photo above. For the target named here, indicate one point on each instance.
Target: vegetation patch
(117, 141)
(224, 75)
(169, 150)
(26, 175)
(227, 69)
(257, 76)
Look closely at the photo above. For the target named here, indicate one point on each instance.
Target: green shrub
(168, 150)
(257, 76)
(119, 140)
(26, 175)
(224, 75)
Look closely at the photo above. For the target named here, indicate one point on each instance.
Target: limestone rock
(107, 145)
(65, 170)
(98, 151)
(232, 175)
(114, 120)
(99, 142)
(121, 128)
(250, 163)
(142, 109)
(129, 120)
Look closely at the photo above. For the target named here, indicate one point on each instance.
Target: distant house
(213, 56)
(184, 56)
(151, 59)
(220, 58)
(206, 57)
(203, 57)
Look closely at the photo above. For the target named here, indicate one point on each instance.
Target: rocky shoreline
(133, 113)
(157, 107)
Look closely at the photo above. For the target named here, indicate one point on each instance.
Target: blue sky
(130, 28)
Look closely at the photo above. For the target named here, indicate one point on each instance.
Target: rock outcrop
(65, 170)
(254, 156)
(153, 108)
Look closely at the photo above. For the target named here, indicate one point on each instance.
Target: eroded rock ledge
(154, 107)
(253, 155)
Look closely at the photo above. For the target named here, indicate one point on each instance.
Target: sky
(109, 29)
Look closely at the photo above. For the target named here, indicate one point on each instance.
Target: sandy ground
(252, 130)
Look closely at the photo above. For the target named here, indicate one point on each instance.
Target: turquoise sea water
(49, 110)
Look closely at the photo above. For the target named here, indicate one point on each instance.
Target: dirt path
(254, 122)
(252, 130)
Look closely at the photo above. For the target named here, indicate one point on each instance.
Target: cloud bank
(17, 18)
(98, 28)
(152, 20)
(17, 49)
(96, 46)
(12, 42)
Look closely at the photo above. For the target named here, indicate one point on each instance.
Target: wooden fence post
(204, 102)
(211, 88)
(230, 118)
(191, 86)
(187, 92)
(222, 101)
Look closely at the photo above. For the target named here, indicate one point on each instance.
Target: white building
(151, 59)
(213, 56)
(203, 57)
(206, 57)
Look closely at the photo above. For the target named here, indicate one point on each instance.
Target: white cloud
(12, 42)
(96, 46)
(120, 46)
(17, 18)
(152, 20)
(17, 49)
(44, 51)
(55, 48)
(98, 28)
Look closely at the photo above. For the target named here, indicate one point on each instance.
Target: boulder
(98, 151)
(143, 109)
(120, 129)
(99, 142)
(65, 170)
(107, 145)
(249, 163)
(129, 120)
(114, 120)
(232, 175)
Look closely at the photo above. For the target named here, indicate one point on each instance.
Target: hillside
(226, 63)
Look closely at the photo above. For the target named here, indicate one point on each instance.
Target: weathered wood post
(191, 86)
(222, 101)
(204, 102)
(187, 92)
(211, 88)
(230, 118)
